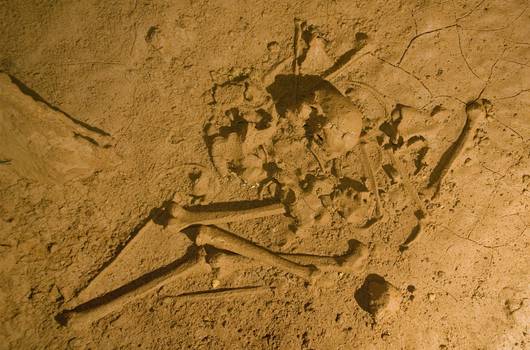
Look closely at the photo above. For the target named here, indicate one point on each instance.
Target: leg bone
(182, 218)
(352, 261)
(220, 239)
(97, 308)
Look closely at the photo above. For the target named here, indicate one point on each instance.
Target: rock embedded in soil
(377, 296)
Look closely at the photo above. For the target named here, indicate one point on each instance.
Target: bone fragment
(371, 174)
(221, 293)
(409, 188)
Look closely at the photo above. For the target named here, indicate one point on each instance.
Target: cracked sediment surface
(111, 110)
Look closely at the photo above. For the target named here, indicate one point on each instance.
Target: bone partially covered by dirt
(316, 60)
(221, 239)
(84, 312)
(344, 121)
(429, 141)
(225, 150)
(352, 261)
(151, 248)
(182, 218)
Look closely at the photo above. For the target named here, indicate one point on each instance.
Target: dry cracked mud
(265, 174)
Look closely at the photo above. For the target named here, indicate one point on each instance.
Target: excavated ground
(388, 141)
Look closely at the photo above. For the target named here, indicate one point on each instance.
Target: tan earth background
(265, 174)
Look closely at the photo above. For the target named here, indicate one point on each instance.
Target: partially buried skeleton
(286, 134)
(289, 140)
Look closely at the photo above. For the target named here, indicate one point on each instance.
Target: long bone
(351, 261)
(221, 239)
(304, 265)
(94, 309)
(182, 218)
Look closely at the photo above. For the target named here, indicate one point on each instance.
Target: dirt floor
(265, 174)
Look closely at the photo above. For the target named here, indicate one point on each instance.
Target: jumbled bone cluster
(289, 138)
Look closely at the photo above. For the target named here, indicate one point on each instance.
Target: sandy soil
(265, 174)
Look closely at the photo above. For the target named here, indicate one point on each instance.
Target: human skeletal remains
(289, 136)
(81, 312)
